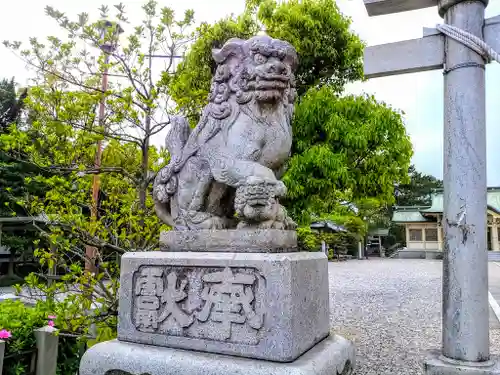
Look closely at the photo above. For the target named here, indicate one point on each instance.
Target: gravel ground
(391, 309)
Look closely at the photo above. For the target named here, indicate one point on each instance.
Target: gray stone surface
(2, 352)
(381, 7)
(390, 309)
(240, 240)
(417, 55)
(465, 277)
(232, 161)
(418, 254)
(435, 364)
(46, 344)
(267, 306)
(332, 356)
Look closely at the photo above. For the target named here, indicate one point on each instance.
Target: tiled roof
(494, 199)
(407, 216)
(437, 203)
(414, 214)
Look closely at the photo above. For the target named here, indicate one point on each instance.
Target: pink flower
(52, 317)
(51, 323)
(4, 334)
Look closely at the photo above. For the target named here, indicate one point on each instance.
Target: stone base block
(230, 240)
(271, 306)
(332, 356)
(436, 364)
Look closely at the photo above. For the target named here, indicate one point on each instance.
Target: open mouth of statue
(265, 85)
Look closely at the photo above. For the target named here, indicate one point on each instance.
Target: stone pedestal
(202, 311)
(436, 364)
(332, 356)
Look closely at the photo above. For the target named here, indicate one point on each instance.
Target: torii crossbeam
(465, 338)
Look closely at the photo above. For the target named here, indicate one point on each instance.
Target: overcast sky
(419, 95)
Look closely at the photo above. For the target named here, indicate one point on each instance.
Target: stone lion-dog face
(259, 69)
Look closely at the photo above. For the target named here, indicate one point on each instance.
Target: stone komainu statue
(225, 172)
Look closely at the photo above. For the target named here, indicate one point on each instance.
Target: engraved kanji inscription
(155, 302)
(170, 298)
(228, 299)
(212, 303)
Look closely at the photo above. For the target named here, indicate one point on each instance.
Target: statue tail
(165, 184)
(177, 137)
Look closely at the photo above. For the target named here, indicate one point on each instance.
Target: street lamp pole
(106, 47)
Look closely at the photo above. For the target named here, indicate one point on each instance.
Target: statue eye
(259, 59)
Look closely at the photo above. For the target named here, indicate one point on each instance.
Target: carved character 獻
(156, 303)
(225, 172)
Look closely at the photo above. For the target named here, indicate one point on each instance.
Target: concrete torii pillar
(465, 338)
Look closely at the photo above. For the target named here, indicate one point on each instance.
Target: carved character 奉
(225, 172)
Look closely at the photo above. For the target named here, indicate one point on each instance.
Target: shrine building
(424, 232)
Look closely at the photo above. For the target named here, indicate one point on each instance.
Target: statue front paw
(196, 220)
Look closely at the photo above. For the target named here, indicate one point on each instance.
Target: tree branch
(119, 170)
(131, 78)
(80, 84)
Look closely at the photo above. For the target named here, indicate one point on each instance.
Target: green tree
(329, 54)
(11, 103)
(345, 148)
(417, 192)
(64, 102)
(13, 171)
(69, 72)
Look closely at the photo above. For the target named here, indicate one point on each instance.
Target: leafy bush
(307, 239)
(21, 321)
(342, 243)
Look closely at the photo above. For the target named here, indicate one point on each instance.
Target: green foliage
(308, 240)
(329, 54)
(339, 243)
(191, 83)
(10, 103)
(345, 148)
(13, 172)
(83, 238)
(121, 225)
(21, 321)
(417, 192)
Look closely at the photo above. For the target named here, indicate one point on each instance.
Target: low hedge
(21, 321)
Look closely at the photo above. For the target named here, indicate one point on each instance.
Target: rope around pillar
(473, 42)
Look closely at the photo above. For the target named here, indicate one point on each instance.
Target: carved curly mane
(235, 73)
(250, 74)
(234, 86)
